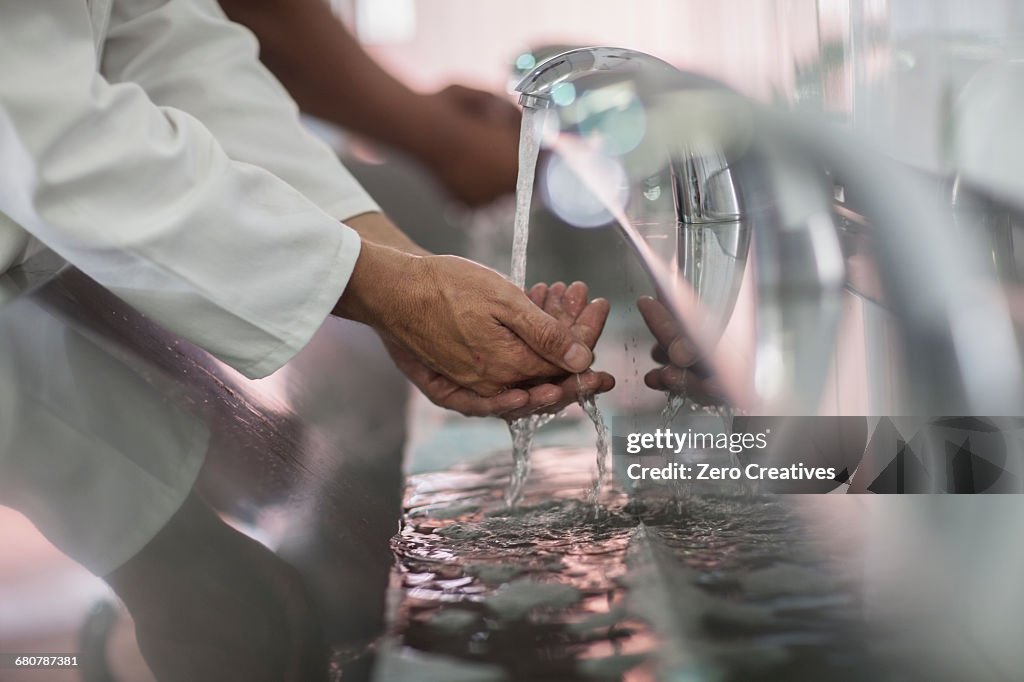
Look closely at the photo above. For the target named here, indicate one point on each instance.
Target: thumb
(549, 338)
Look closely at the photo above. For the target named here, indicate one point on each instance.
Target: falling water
(524, 429)
(589, 405)
(529, 148)
(673, 403)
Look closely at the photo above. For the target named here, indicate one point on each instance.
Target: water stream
(524, 429)
(674, 402)
(590, 408)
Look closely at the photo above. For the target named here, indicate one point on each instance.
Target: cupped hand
(682, 370)
(568, 305)
(461, 320)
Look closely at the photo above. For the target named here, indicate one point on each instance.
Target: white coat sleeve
(186, 54)
(143, 199)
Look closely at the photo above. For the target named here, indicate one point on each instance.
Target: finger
(471, 404)
(549, 338)
(659, 355)
(575, 298)
(675, 380)
(659, 320)
(558, 396)
(586, 384)
(670, 379)
(543, 398)
(553, 305)
(667, 331)
(590, 322)
(653, 379)
(682, 353)
(538, 293)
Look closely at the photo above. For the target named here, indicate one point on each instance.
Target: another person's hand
(479, 158)
(461, 320)
(566, 304)
(682, 371)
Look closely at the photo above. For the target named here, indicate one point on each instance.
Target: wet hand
(569, 305)
(682, 371)
(566, 304)
(461, 320)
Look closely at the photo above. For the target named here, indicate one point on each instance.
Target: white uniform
(143, 141)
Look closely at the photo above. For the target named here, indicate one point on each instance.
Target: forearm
(330, 76)
(388, 261)
(377, 229)
(371, 296)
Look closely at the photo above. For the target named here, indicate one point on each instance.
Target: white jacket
(143, 141)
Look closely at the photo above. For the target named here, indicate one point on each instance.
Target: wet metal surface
(288, 459)
(725, 586)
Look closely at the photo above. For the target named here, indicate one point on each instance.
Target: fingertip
(512, 399)
(659, 355)
(682, 352)
(588, 381)
(644, 304)
(607, 382)
(537, 293)
(578, 358)
(545, 395)
(576, 298)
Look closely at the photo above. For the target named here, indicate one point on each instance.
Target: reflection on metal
(981, 216)
(728, 586)
(712, 258)
(303, 449)
(537, 86)
(766, 177)
(705, 187)
(701, 236)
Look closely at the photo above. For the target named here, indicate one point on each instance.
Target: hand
(479, 159)
(682, 371)
(463, 321)
(566, 304)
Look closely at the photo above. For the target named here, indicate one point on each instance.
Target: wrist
(373, 290)
(376, 228)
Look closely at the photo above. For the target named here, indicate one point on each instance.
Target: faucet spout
(536, 88)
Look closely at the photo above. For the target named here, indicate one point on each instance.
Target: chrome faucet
(536, 88)
(701, 239)
(742, 173)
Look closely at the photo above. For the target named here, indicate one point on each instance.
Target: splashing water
(673, 403)
(589, 405)
(523, 429)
